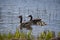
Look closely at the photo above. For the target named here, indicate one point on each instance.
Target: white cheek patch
(27, 19)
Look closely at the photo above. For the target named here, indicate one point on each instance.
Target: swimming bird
(36, 21)
(24, 24)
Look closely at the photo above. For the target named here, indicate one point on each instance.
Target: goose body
(36, 21)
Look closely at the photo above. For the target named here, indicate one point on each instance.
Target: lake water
(5, 28)
(10, 22)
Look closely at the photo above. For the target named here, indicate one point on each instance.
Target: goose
(36, 21)
(24, 24)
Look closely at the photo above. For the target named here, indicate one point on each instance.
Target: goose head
(20, 16)
(30, 17)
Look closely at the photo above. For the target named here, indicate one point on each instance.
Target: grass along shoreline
(45, 35)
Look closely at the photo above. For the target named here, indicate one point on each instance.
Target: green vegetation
(18, 35)
(46, 35)
(59, 34)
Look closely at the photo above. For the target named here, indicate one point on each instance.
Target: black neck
(21, 20)
(31, 18)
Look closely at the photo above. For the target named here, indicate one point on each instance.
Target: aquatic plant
(1, 38)
(29, 35)
(58, 34)
(9, 35)
(17, 34)
(22, 35)
(49, 35)
(46, 35)
(41, 36)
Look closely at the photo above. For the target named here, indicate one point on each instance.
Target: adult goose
(24, 24)
(36, 21)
